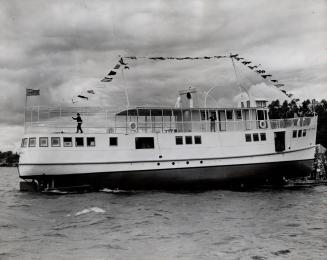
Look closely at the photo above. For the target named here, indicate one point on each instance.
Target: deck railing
(106, 121)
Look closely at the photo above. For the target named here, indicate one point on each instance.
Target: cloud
(64, 48)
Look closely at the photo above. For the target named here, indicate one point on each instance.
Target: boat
(183, 146)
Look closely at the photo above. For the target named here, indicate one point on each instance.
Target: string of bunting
(260, 72)
(121, 64)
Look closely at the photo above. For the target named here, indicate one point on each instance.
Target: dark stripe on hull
(184, 178)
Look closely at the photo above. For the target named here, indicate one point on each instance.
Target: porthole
(187, 162)
(158, 163)
(201, 161)
(173, 163)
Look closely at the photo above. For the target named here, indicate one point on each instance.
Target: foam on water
(89, 210)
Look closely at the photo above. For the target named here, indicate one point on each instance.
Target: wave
(89, 210)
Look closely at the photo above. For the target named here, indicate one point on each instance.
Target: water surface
(261, 224)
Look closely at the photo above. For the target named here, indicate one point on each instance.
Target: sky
(65, 48)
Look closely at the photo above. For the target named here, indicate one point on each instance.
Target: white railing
(119, 124)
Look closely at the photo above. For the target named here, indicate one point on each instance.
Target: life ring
(133, 126)
(262, 124)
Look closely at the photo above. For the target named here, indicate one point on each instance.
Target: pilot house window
(144, 142)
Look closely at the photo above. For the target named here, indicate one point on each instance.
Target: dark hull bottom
(190, 178)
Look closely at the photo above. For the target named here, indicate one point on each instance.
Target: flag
(112, 73)
(105, 79)
(126, 67)
(80, 96)
(91, 91)
(32, 92)
(121, 61)
(116, 67)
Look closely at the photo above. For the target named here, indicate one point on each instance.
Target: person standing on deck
(213, 122)
(79, 123)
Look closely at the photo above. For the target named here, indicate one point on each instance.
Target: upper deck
(155, 120)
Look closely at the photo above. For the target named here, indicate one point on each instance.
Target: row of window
(188, 140)
(140, 142)
(255, 137)
(299, 133)
(67, 141)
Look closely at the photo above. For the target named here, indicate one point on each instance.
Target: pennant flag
(105, 79)
(284, 91)
(261, 71)
(121, 61)
(112, 73)
(252, 67)
(131, 57)
(80, 96)
(239, 58)
(117, 67)
(274, 80)
(266, 75)
(126, 67)
(32, 92)
(246, 62)
(290, 95)
(91, 91)
(279, 85)
(207, 58)
(234, 55)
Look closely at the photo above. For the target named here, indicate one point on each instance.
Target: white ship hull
(221, 158)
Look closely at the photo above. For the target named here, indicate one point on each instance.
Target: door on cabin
(279, 141)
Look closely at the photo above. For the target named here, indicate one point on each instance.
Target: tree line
(306, 108)
(8, 159)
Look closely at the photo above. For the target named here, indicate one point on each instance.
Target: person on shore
(213, 122)
(79, 123)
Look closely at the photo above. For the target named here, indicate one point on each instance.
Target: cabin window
(113, 141)
(90, 141)
(248, 104)
(24, 142)
(255, 137)
(242, 104)
(79, 141)
(263, 137)
(43, 141)
(229, 114)
(32, 142)
(55, 141)
(304, 133)
(300, 133)
(144, 142)
(197, 139)
(188, 139)
(238, 114)
(68, 141)
(294, 133)
(248, 138)
(179, 140)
